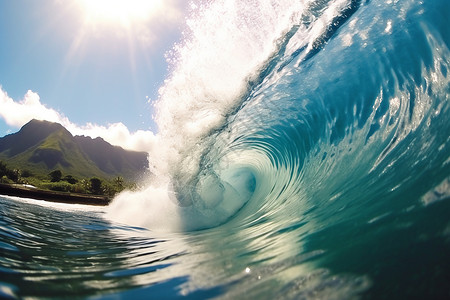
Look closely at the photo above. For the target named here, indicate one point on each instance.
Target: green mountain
(42, 146)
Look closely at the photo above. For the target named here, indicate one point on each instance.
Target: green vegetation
(47, 156)
(55, 176)
(57, 181)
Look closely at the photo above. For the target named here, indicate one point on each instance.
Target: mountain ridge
(42, 146)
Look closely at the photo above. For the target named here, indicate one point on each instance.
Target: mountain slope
(42, 146)
(112, 159)
(29, 135)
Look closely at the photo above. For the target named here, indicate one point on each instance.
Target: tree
(14, 175)
(96, 185)
(119, 183)
(70, 179)
(55, 176)
(86, 185)
(26, 173)
(3, 169)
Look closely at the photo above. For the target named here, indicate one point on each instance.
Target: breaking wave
(330, 109)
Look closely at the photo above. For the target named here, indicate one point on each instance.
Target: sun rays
(120, 12)
(120, 27)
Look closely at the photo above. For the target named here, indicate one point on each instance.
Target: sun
(120, 12)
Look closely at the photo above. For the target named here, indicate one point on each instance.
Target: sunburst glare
(120, 12)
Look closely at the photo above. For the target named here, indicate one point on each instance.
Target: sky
(95, 66)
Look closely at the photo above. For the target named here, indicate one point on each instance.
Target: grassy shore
(24, 191)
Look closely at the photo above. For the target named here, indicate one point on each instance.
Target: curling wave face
(274, 110)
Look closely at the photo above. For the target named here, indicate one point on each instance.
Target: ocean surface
(303, 154)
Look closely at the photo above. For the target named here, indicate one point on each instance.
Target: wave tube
(276, 109)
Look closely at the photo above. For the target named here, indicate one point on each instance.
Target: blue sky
(91, 67)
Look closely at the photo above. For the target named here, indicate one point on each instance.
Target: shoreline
(52, 196)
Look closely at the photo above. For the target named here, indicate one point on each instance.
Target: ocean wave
(277, 107)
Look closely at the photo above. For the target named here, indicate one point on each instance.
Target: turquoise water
(304, 155)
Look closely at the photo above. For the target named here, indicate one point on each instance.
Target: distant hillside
(42, 146)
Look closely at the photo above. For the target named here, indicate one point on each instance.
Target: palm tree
(119, 183)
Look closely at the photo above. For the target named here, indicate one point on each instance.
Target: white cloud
(19, 113)
(117, 134)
